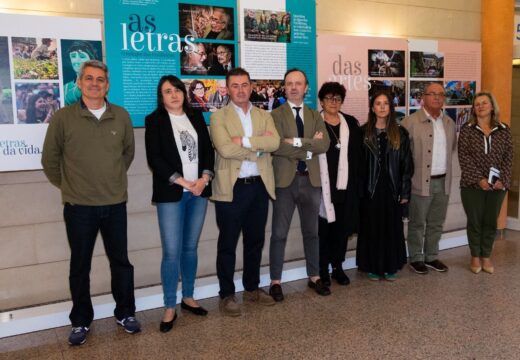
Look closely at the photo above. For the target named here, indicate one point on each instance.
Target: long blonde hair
(495, 114)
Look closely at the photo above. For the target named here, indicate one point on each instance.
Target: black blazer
(164, 159)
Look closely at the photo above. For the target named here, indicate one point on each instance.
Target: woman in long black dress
(339, 169)
(388, 170)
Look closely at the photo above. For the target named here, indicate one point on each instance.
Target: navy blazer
(163, 156)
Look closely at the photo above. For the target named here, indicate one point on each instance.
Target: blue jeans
(180, 224)
(83, 224)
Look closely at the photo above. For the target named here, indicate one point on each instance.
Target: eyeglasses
(222, 53)
(200, 88)
(200, 53)
(435, 94)
(216, 20)
(336, 99)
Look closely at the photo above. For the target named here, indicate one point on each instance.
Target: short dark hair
(296, 70)
(238, 71)
(332, 88)
(176, 83)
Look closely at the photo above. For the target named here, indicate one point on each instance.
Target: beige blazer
(285, 159)
(225, 123)
(420, 129)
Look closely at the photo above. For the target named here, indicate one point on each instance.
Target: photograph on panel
(207, 58)
(267, 26)
(386, 63)
(6, 104)
(206, 22)
(35, 58)
(460, 115)
(267, 94)
(460, 92)
(36, 102)
(426, 64)
(73, 54)
(200, 91)
(397, 89)
(417, 90)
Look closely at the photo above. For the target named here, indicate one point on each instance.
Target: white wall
(33, 246)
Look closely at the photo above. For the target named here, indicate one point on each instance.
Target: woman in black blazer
(181, 157)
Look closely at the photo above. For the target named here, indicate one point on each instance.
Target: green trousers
(482, 209)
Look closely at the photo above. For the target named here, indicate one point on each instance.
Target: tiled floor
(456, 315)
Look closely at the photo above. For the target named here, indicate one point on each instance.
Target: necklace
(338, 141)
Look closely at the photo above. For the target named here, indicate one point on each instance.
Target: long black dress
(334, 236)
(381, 248)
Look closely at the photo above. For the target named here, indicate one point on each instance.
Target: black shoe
(166, 326)
(319, 287)
(194, 310)
(325, 277)
(339, 275)
(419, 267)
(276, 292)
(436, 265)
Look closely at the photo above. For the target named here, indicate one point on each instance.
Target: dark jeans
(83, 223)
(247, 213)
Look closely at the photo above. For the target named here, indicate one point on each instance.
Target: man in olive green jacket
(88, 149)
(297, 176)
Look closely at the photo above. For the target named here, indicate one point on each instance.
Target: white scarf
(326, 206)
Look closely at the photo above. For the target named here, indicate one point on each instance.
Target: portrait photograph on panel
(267, 25)
(267, 94)
(386, 63)
(206, 22)
(460, 92)
(397, 89)
(73, 54)
(35, 58)
(426, 64)
(221, 58)
(36, 102)
(6, 104)
(199, 93)
(417, 90)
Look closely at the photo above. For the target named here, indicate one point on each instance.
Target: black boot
(339, 275)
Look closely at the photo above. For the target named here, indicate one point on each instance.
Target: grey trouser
(427, 215)
(306, 198)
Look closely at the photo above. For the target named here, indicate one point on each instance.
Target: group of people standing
(342, 178)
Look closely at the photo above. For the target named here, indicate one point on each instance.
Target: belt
(302, 173)
(438, 176)
(249, 180)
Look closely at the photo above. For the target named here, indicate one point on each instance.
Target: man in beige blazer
(297, 176)
(244, 137)
(433, 141)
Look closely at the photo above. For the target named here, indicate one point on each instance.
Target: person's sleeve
(406, 164)
(507, 161)
(317, 146)
(467, 161)
(223, 144)
(52, 153)
(266, 143)
(129, 143)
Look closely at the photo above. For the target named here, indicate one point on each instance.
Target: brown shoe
(258, 296)
(229, 306)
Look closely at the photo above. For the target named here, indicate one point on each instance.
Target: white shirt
(248, 168)
(99, 112)
(186, 139)
(439, 151)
